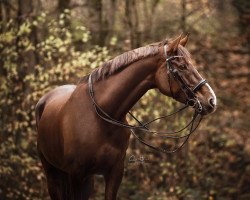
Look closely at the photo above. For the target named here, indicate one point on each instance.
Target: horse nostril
(211, 102)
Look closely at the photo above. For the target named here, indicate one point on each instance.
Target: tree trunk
(132, 21)
(62, 5)
(109, 22)
(243, 8)
(183, 16)
(26, 9)
(6, 10)
(95, 14)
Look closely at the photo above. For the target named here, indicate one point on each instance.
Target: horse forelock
(121, 62)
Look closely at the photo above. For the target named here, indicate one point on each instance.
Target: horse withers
(74, 143)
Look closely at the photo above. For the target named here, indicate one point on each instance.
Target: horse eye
(183, 66)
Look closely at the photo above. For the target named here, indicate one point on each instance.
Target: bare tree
(132, 21)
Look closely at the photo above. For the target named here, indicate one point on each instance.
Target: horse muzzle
(203, 108)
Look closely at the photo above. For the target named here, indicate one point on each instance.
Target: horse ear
(184, 40)
(173, 46)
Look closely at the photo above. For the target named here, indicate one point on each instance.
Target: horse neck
(118, 93)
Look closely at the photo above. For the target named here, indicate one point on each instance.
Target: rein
(192, 101)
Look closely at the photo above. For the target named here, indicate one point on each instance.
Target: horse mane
(120, 62)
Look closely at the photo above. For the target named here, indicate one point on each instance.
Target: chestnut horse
(74, 143)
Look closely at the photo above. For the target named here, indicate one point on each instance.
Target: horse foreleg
(57, 181)
(113, 180)
(81, 189)
(87, 188)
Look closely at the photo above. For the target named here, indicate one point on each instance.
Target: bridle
(192, 100)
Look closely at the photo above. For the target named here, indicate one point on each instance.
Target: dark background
(48, 43)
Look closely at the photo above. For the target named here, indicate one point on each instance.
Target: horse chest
(106, 157)
(110, 151)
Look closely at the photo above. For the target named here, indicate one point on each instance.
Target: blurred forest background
(45, 43)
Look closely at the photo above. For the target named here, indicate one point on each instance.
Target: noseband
(192, 99)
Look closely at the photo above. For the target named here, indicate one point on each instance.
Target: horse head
(178, 78)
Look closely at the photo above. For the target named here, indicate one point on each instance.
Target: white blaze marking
(212, 92)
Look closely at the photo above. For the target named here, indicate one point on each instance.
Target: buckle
(191, 102)
(199, 106)
(195, 103)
